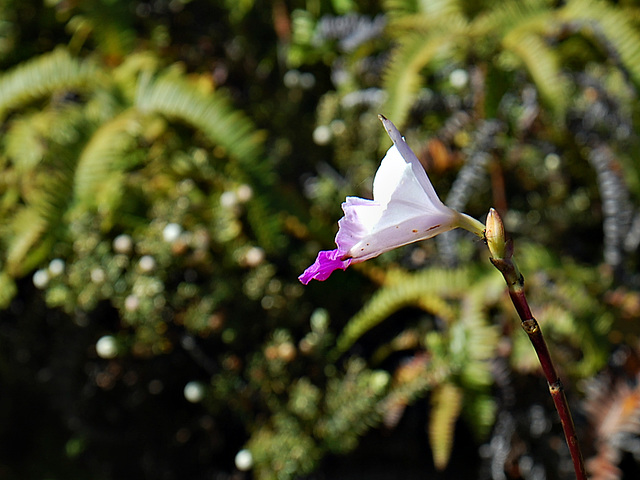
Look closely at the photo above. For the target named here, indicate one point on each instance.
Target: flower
(405, 209)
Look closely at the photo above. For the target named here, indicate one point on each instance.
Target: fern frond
(531, 15)
(101, 158)
(427, 24)
(424, 289)
(446, 405)
(473, 339)
(46, 194)
(351, 404)
(8, 289)
(27, 228)
(233, 134)
(226, 127)
(522, 27)
(611, 28)
(402, 78)
(543, 64)
(398, 8)
(42, 76)
(568, 311)
(433, 8)
(410, 381)
(25, 140)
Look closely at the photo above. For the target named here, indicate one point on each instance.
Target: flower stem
(471, 224)
(502, 258)
(515, 283)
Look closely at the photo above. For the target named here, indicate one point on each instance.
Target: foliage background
(170, 167)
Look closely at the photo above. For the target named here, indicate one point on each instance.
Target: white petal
(392, 171)
(360, 217)
(401, 224)
(410, 157)
(396, 178)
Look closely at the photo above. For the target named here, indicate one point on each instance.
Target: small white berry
(244, 460)
(131, 303)
(97, 275)
(171, 232)
(459, 78)
(244, 193)
(107, 347)
(194, 392)
(254, 256)
(228, 199)
(56, 267)
(147, 263)
(123, 244)
(322, 135)
(41, 278)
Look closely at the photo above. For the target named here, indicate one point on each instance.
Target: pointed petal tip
(392, 131)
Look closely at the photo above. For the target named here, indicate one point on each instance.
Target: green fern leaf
(27, 228)
(446, 405)
(46, 194)
(8, 290)
(212, 114)
(528, 15)
(102, 157)
(421, 289)
(400, 7)
(25, 141)
(610, 27)
(232, 133)
(543, 64)
(403, 78)
(43, 76)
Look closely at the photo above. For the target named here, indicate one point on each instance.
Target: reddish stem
(515, 282)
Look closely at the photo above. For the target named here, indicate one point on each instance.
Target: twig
(501, 258)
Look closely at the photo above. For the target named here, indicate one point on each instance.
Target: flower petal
(326, 262)
(400, 225)
(410, 157)
(360, 217)
(397, 178)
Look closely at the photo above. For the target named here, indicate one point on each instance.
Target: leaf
(8, 290)
(212, 113)
(43, 76)
(403, 76)
(446, 405)
(424, 289)
(27, 228)
(609, 27)
(543, 65)
(102, 157)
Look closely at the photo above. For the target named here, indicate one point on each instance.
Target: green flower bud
(495, 236)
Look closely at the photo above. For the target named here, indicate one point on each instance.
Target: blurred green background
(169, 167)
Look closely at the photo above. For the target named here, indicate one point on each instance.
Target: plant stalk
(515, 282)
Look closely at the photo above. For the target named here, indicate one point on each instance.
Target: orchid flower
(405, 209)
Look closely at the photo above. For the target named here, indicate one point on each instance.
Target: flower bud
(494, 235)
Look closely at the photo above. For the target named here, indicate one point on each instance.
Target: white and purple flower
(405, 209)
